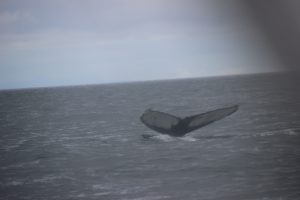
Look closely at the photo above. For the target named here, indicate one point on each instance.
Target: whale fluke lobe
(175, 126)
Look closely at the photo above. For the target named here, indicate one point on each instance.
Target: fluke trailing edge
(175, 126)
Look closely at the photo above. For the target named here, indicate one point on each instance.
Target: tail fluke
(168, 124)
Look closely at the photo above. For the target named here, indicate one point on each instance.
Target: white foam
(50, 178)
(15, 183)
(188, 139)
(9, 147)
(101, 193)
(151, 198)
(165, 138)
(82, 195)
(20, 165)
(289, 131)
(101, 187)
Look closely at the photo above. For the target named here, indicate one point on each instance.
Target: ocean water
(85, 142)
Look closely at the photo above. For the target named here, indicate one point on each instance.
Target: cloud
(72, 42)
(12, 17)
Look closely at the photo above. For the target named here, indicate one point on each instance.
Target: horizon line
(139, 81)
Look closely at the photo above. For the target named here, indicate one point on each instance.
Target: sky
(73, 42)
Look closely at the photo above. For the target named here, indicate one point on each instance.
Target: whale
(171, 125)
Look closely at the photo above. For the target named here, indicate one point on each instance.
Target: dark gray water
(85, 142)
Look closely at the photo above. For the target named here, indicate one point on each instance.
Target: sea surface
(85, 142)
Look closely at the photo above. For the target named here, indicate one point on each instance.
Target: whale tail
(175, 126)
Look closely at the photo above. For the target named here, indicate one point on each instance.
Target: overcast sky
(73, 42)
